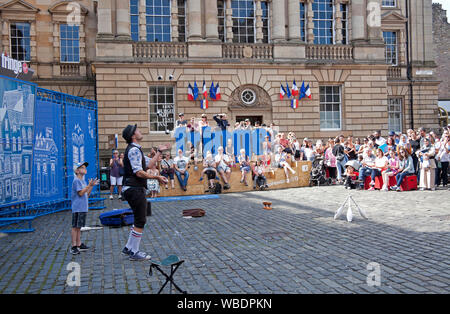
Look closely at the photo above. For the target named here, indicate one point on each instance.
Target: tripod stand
(349, 200)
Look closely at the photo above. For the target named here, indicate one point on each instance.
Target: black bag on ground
(217, 188)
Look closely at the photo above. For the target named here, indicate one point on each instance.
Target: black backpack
(217, 188)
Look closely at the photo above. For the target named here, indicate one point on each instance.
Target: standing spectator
(80, 205)
(181, 169)
(378, 139)
(244, 166)
(427, 165)
(415, 147)
(390, 145)
(330, 160)
(115, 176)
(341, 158)
(392, 169)
(349, 149)
(308, 150)
(222, 121)
(444, 157)
(167, 169)
(357, 145)
(403, 142)
(181, 121)
(405, 167)
(223, 167)
(422, 136)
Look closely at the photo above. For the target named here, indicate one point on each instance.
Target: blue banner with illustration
(81, 140)
(48, 156)
(16, 140)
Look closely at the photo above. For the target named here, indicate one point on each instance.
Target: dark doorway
(252, 119)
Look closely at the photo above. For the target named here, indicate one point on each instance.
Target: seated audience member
(167, 169)
(350, 149)
(350, 177)
(281, 160)
(390, 145)
(181, 165)
(427, 165)
(209, 168)
(405, 167)
(258, 175)
(244, 166)
(392, 169)
(223, 167)
(308, 150)
(229, 150)
(367, 163)
(381, 162)
(357, 145)
(153, 187)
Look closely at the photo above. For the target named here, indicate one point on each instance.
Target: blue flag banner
(81, 145)
(16, 140)
(302, 91)
(195, 91)
(48, 160)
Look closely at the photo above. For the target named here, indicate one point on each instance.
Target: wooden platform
(275, 180)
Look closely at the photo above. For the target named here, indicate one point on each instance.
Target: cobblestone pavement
(238, 247)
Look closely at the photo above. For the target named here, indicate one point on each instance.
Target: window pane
(329, 98)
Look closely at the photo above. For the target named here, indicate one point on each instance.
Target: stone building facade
(138, 58)
(441, 35)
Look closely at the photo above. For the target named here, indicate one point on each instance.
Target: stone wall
(441, 34)
(122, 93)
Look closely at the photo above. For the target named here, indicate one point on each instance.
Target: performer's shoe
(126, 251)
(139, 256)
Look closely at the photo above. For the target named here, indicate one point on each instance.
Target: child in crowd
(258, 175)
(244, 163)
(153, 184)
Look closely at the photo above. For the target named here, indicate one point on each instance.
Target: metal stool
(174, 262)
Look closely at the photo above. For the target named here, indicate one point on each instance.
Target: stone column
(294, 21)
(358, 11)
(105, 19)
(279, 21)
(123, 20)
(142, 21)
(309, 22)
(194, 14)
(258, 22)
(338, 22)
(374, 22)
(229, 22)
(174, 20)
(211, 21)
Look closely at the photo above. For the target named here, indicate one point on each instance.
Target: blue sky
(445, 5)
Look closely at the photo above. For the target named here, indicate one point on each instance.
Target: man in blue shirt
(80, 205)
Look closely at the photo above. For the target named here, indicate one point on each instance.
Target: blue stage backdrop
(81, 137)
(48, 154)
(16, 140)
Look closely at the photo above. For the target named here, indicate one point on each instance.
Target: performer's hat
(128, 132)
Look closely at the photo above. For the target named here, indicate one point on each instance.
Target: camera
(160, 78)
(170, 77)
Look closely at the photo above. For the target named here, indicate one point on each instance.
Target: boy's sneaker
(372, 189)
(83, 247)
(126, 251)
(139, 256)
(74, 250)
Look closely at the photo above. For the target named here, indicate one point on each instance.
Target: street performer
(134, 187)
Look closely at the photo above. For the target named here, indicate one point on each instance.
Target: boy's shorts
(78, 220)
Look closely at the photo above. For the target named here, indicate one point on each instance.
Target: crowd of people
(347, 160)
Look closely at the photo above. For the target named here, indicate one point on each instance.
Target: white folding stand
(340, 210)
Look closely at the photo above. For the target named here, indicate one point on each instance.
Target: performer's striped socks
(134, 240)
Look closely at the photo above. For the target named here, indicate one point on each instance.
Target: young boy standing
(80, 205)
